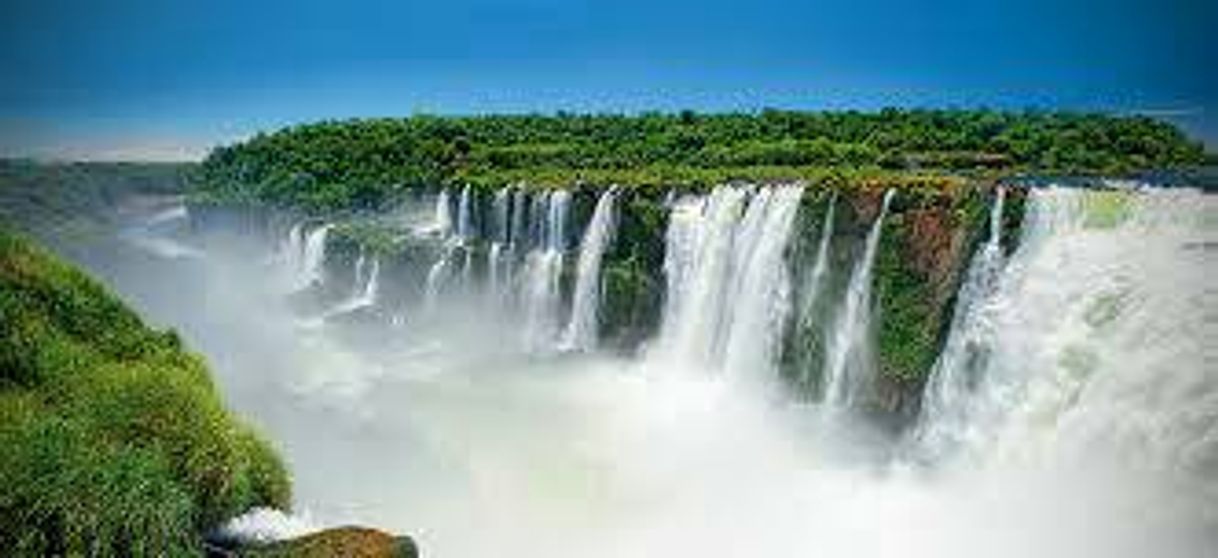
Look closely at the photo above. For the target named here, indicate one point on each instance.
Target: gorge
(781, 334)
(769, 368)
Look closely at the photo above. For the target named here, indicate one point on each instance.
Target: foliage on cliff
(364, 163)
(76, 201)
(115, 439)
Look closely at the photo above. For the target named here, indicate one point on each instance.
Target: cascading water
(465, 211)
(357, 280)
(314, 255)
(965, 352)
(814, 285)
(495, 264)
(517, 237)
(442, 223)
(364, 286)
(543, 270)
(581, 330)
(437, 274)
(696, 260)
(1097, 342)
(728, 287)
(760, 296)
(1085, 423)
(849, 352)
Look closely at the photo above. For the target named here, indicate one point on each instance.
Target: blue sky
(163, 80)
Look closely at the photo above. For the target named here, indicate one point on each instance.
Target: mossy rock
(348, 542)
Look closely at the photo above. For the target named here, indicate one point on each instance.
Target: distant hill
(73, 201)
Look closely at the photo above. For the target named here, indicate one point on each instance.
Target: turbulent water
(1072, 413)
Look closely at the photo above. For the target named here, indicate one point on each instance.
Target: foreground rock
(352, 542)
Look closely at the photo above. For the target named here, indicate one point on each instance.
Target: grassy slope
(115, 439)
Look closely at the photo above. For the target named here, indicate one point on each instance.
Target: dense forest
(364, 163)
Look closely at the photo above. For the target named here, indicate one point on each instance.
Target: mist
(1094, 433)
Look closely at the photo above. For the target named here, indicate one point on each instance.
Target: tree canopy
(365, 162)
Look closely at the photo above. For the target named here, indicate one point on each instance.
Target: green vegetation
(76, 201)
(367, 163)
(116, 442)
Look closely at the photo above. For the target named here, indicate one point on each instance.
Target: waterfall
(357, 282)
(728, 285)
(814, 284)
(290, 253)
(500, 235)
(438, 273)
(1102, 337)
(367, 282)
(966, 349)
(761, 290)
(465, 226)
(363, 288)
(849, 352)
(520, 200)
(698, 249)
(543, 270)
(581, 330)
(314, 256)
(465, 232)
(516, 235)
(443, 219)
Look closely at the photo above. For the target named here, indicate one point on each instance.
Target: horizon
(138, 80)
(175, 157)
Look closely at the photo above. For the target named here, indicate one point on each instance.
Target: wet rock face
(350, 542)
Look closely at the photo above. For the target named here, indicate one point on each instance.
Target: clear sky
(166, 79)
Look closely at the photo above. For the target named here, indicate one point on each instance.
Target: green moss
(908, 329)
(633, 282)
(915, 301)
(115, 441)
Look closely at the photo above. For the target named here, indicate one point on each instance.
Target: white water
(697, 260)
(465, 232)
(439, 272)
(760, 289)
(848, 358)
(364, 287)
(966, 349)
(1093, 426)
(314, 255)
(728, 284)
(1102, 329)
(543, 270)
(443, 218)
(496, 263)
(581, 330)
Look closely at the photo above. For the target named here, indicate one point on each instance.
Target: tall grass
(115, 440)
